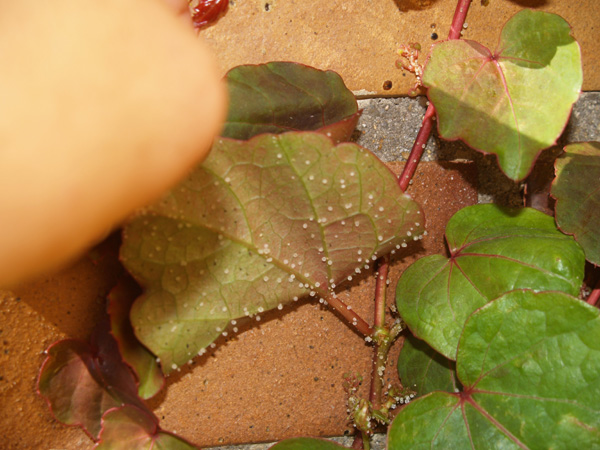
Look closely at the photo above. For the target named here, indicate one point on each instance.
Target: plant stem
(380, 304)
(595, 295)
(350, 315)
(417, 150)
(460, 14)
(380, 353)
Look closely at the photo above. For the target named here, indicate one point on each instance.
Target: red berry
(208, 11)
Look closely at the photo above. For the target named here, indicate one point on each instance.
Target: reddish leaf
(131, 428)
(512, 102)
(284, 96)
(577, 190)
(81, 381)
(141, 360)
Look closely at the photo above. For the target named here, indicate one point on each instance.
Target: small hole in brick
(387, 85)
(267, 7)
(434, 36)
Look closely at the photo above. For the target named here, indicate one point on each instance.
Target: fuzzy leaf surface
(423, 370)
(260, 223)
(82, 381)
(284, 96)
(130, 428)
(513, 102)
(149, 376)
(530, 365)
(306, 444)
(492, 251)
(577, 190)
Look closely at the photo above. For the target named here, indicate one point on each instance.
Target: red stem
(460, 14)
(403, 181)
(359, 323)
(595, 295)
(418, 147)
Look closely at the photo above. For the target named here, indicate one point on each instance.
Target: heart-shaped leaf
(284, 96)
(513, 102)
(130, 428)
(492, 251)
(306, 444)
(423, 370)
(260, 223)
(577, 190)
(139, 358)
(81, 382)
(530, 366)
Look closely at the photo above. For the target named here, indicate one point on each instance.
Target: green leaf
(260, 223)
(513, 102)
(577, 190)
(530, 366)
(306, 444)
(423, 370)
(283, 96)
(81, 382)
(492, 251)
(130, 428)
(149, 376)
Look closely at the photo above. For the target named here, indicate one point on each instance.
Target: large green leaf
(260, 223)
(130, 428)
(306, 444)
(492, 251)
(577, 190)
(423, 370)
(515, 101)
(284, 96)
(530, 366)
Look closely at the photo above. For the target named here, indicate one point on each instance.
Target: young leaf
(423, 370)
(513, 102)
(142, 362)
(130, 428)
(492, 251)
(284, 96)
(306, 444)
(530, 366)
(260, 223)
(81, 382)
(577, 190)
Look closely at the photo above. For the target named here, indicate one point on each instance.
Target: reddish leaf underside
(283, 96)
(577, 191)
(130, 428)
(261, 223)
(149, 376)
(513, 102)
(81, 381)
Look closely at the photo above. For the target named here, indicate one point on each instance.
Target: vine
(285, 207)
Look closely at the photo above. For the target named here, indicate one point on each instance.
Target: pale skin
(104, 105)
